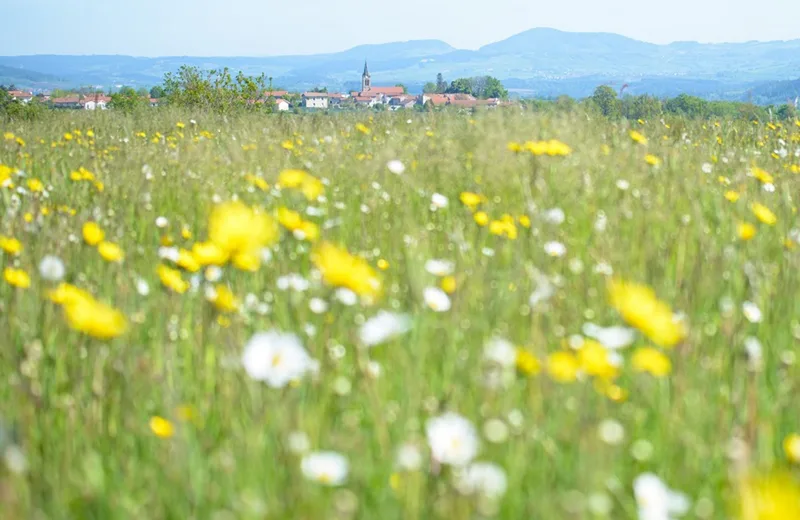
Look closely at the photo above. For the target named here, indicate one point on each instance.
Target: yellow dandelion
(563, 366)
(637, 137)
(638, 305)
(481, 218)
(527, 364)
(652, 160)
(341, 269)
(448, 284)
(16, 278)
(161, 427)
(791, 447)
(110, 252)
(746, 230)
(93, 233)
(171, 279)
(10, 245)
(764, 214)
(652, 361)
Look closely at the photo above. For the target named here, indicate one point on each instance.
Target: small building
(281, 105)
(73, 101)
(21, 96)
(315, 99)
(95, 102)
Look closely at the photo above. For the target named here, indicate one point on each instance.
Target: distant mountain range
(538, 62)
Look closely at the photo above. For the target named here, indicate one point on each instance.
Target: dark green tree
(606, 100)
(157, 92)
(128, 100)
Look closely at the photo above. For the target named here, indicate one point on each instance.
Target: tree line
(481, 87)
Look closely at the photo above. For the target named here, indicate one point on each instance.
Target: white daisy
(396, 167)
(482, 478)
(436, 299)
(292, 281)
(275, 358)
(409, 457)
(346, 296)
(452, 439)
(555, 249)
(611, 337)
(383, 327)
(439, 267)
(142, 287)
(752, 312)
(439, 201)
(318, 305)
(656, 501)
(500, 351)
(554, 216)
(326, 467)
(162, 222)
(51, 268)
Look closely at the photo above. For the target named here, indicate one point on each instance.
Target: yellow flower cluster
(86, 314)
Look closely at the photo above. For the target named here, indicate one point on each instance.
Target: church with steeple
(365, 79)
(372, 95)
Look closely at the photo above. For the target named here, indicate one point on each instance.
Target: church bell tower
(365, 79)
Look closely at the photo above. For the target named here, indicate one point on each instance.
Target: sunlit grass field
(399, 316)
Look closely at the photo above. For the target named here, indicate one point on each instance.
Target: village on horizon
(394, 98)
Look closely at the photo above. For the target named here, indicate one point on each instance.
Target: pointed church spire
(366, 71)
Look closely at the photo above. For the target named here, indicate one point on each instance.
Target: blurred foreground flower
(452, 439)
(276, 358)
(769, 497)
(326, 467)
(638, 305)
(16, 278)
(87, 315)
(383, 327)
(656, 501)
(341, 269)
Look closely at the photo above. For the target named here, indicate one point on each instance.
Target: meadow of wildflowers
(420, 315)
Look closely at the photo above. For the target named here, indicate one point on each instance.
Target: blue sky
(267, 27)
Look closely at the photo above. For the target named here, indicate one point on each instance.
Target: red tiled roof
(387, 91)
(67, 99)
(20, 94)
(437, 99)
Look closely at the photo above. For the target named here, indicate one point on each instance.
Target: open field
(168, 353)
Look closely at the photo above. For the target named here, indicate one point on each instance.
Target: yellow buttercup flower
(652, 361)
(527, 363)
(594, 360)
(35, 185)
(10, 245)
(652, 160)
(223, 299)
(187, 261)
(171, 279)
(791, 446)
(341, 269)
(481, 218)
(637, 137)
(764, 214)
(208, 253)
(448, 284)
(309, 186)
(769, 497)
(732, 196)
(94, 318)
(563, 366)
(638, 305)
(762, 175)
(746, 231)
(92, 233)
(110, 252)
(16, 278)
(471, 200)
(246, 261)
(161, 427)
(237, 228)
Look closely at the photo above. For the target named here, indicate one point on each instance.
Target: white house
(315, 99)
(281, 105)
(21, 95)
